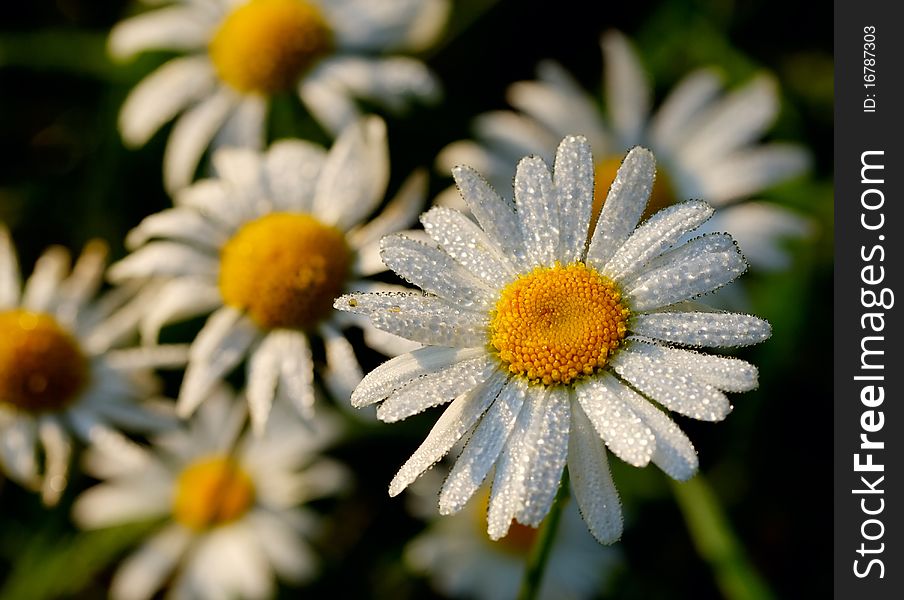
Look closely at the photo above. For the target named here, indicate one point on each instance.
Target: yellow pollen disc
(212, 491)
(661, 197)
(556, 324)
(42, 367)
(265, 46)
(284, 269)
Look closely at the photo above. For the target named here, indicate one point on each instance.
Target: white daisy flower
(551, 343)
(60, 373)
(268, 246)
(705, 140)
(239, 54)
(229, 505)
(462, 562)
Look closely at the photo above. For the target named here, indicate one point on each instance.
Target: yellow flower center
(556, 324)
(662, 196)
(265, 46)
(42, 367)
(212, 491)
(284, 269)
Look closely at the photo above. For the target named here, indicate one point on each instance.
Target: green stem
(539, 554)
(717, 543)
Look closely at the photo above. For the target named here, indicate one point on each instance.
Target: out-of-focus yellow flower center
(212, 491)
(284, 269)
(662, 196)
(265, 46)
(42, 367)
(556, 324)
(520, 538)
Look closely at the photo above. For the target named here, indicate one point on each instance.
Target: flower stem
(539, 554)
(717, 543)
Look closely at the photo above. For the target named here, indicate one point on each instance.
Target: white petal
(10, 280)
(455, 421)
(221, 345)
(215, 200)
(627, 88)
(535, 199)
(342, 372)
(622, 430)
(394, 25)
(354, 175)
(296, 370)
(591, 481)
(512, 469)
(482, 450)
(290, 557)
(752, 170)
(688, 280)
(244, 128)
(328, 102)
(146, 571)
(179, 299)
(123, 502)
(42, 288)
(172, 259)
(509, 137)
(676, 258)
(170, 28)
(683, 103)
(402, 370)
(57, 453)
(624, 204)
(655, 236)
(760, 229)
(190, 137)
(391, 82)
(292, 168)
(674, 454)
(241, 168)
(262, 378)
(434, 271)
(724, 373)
(399, 213)
(162, 95)
(147, 357)
(496, 216)
(83, 282)
(573, 177)
(86, 424)
(425, 319)
(550, 445)
(715, 330)
(18, 445)
(438, 388)
(670, 384)
(182, 224)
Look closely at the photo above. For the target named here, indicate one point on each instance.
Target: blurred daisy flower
(229, 503)
(59, 371)
(706, 142)
(268, 246)
(462, 562)
(552, 341)
(242, 53)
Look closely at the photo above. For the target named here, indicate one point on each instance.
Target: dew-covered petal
(495, 215)
(535, 199)
(483, 448)
(291, 168)
(627, 88)
(296, 369)
(262, 379)
(622, 430)
(343, 371)
(686, 280)
(670, 384)
(402, 370)
(455, 421)
(573, 177)
(655, 236)
(674, 453)
(726, 373)
(625, 202)
(714, 330)
(425, 319)
(221, 345)
(591, 480)
(469, 245)
(550, 446)
(436, 388)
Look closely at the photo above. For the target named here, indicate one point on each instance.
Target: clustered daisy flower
(267, 246)
(705, 141)
(231, 504)
(555, 339)
(241, 53)
(61, 372)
